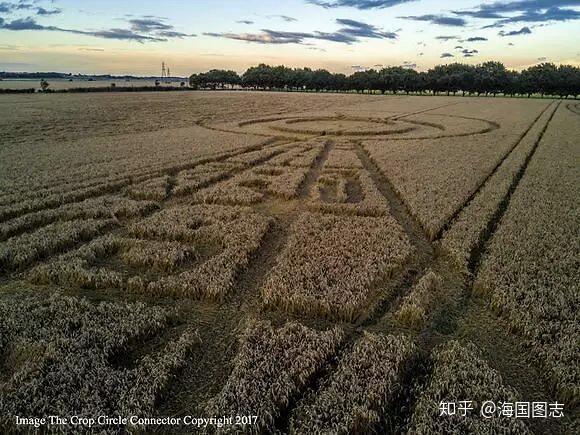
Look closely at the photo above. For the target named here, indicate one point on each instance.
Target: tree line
(488, 78)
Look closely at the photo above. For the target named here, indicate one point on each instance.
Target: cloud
(91, 49)
(528, 11)
(408, 64)
(458, 47)
(263, 38)
(522, 31)
(47, 12)
(119, 34)
(443, 55)
(22, 5)
(358, 4)
(476, 39)
(173, 34)
(441, 20)
(470, 52)
(551, 14)
(351, 32)
(478, 14)
(245, 22)
(502, 7)
(283, 17)
(156, 26)
(542, 59)
(24, 24)
(445, 38)
(363, 30)
(148, 25)
(29, 23)
(142, 29)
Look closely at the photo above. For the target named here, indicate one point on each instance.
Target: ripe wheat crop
(272, 366)
(252, 186)
(461, 374)
(190, 180)
(75, 349)
(530, 269)
(172, 242)
(232, 234)
(416, 306)
(246, 272)
(343, 159)
(330, 263)
(21, 251)
(94, 208)
(155, 189)
(357, 396)
(348, 192)
(302, 154)
(435, 177)
(466, 231)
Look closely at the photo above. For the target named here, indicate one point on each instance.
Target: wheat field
(327, 263)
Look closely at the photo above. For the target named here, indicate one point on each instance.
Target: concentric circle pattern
(421, 126)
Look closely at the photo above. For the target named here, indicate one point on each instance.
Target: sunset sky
(134, 37)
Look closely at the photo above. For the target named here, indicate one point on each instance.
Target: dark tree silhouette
(486, 78)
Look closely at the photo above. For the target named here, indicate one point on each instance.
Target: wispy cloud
(476, 39)
(446, 38)
(522, 31)
(148, 24)
(157, 27)
(23, 24)
(283, 17)
(493, 10)
(552, 14)
(351, 32)
(245, 22)
(91, 49)
(363, 30)
(47, 12)
(441, 20)
(444, 55)
(142, 29)
(524, 11)
(30, 6)
(358, 4)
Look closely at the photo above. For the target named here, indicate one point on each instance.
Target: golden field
(331, 263)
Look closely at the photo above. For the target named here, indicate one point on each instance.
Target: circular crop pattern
(341, 126)
(421, 126)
